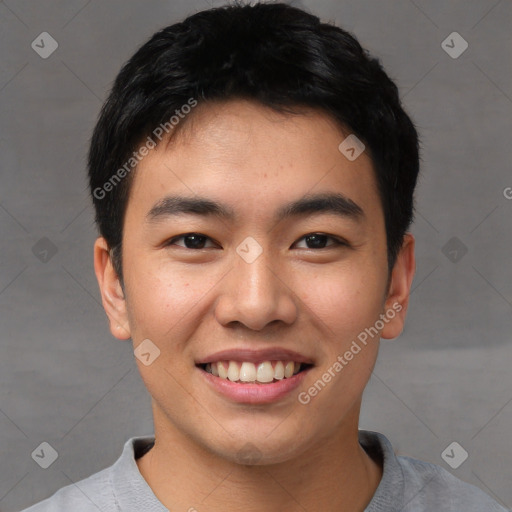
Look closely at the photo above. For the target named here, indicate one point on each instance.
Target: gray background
(65, 380)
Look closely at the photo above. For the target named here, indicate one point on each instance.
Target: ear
(397, 299)
(112, 294)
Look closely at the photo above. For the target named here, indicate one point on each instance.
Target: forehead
(253, 160)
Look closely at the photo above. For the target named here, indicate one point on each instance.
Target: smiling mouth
(265, 372)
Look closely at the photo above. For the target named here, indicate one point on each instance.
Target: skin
(193, 302)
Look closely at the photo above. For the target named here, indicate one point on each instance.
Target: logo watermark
(305, 397)
(137, 156)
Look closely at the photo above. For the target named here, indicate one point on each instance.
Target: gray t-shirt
(407, 485)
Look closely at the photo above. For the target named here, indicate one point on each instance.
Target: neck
(335, 474)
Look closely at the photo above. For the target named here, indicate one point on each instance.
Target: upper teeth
(263, 372)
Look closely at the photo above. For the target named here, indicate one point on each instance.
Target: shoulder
(412, 485)
(430, 487)
(114, 488)
(90, 494)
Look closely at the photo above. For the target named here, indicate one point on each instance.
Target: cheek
(346, 300)
(165, 308)
(154, 301)
(167, 302)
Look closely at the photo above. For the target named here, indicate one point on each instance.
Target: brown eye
(319, 241)
(191, 241)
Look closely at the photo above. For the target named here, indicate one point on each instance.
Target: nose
(255, 294)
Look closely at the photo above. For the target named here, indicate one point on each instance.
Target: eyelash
(337, 241)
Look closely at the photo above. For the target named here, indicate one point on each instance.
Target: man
(253, 174)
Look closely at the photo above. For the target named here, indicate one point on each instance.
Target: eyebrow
(327, 203)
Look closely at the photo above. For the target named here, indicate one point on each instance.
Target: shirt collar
(389, 495)
(132, 492)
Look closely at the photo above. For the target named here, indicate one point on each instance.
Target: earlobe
(397, 299)
(112, 294)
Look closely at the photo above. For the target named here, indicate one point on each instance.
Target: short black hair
(275, 54)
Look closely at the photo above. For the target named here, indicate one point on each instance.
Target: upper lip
(255, 356)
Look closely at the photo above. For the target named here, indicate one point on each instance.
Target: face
(276, 272)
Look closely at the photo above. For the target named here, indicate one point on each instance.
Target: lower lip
(250, 393)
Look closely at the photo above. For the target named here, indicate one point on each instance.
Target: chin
(260, 449)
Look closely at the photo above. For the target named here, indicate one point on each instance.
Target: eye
(199, 241)
(319, 240)
(191, 241)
